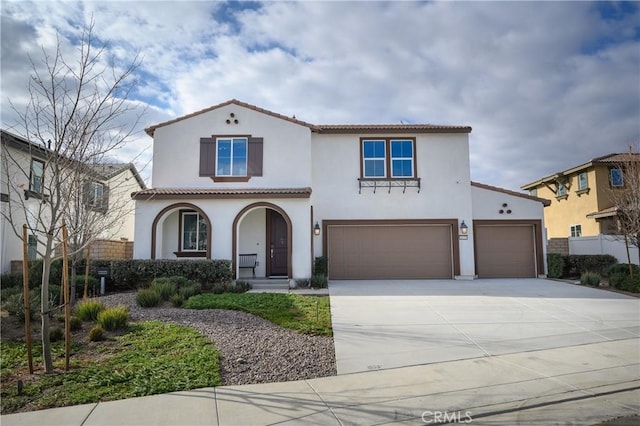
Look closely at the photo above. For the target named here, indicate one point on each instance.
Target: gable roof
(544, 201)
(605, 160)
(325, 128)
(102, 171)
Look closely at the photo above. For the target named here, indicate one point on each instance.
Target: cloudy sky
(545, 85)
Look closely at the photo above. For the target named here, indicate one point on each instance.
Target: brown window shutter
(254, 154)
(208, 156)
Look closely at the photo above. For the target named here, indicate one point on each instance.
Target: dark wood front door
(278, 244)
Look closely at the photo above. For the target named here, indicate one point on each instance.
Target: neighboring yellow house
(581, 203)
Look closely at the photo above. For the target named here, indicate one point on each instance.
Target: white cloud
(545, 85)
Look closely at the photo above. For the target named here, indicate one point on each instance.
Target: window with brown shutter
(209, 167)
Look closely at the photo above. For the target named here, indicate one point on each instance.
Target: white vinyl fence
(603, 244)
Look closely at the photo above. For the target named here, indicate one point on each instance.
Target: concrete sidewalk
(580, 385)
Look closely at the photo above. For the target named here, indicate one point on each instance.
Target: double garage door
(383, 251)
(428, 251)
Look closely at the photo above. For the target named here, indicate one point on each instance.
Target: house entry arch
(236, 233)
(165, 212)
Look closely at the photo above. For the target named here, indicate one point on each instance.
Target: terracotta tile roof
(331, 128)
(206, 193)
(544, 201)
(606, 160)
(611, 211)
(390, 128)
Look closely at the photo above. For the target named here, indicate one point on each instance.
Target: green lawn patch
(305, 314)
(150, 358)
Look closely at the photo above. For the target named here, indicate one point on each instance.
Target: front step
(266, 284)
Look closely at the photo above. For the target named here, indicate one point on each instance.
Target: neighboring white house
(24, 178)
(379, 201)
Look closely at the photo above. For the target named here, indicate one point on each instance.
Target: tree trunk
(44, 305)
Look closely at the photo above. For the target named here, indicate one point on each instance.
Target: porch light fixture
(464, 229)
(316, 229)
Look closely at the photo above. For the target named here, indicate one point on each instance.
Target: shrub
(590, 278)
(319, 281)
(96, 333)
(88, 310)
(114, 318)
(555, 265)
(14, 304)
(163, 287)
(191, 290)
(320, 265)
(631, 284)
(623, 268)
(147, 298)
(241, 287)
(132, 273)
(56, 334)
(302, 282)
(75, 323)
(93, 285)
(176, 300)
(11, 280)
(577, 264)
(180, 281)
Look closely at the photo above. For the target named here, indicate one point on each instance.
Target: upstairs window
(37, 176)
(374, 159)
(231, 158)
(388, 158)
(193, 231)
(617, 178)
(562, 189)
(583, 182)
(533, 192)
(96, 194)
(402, 159)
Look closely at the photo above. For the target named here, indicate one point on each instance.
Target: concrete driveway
(387, 324)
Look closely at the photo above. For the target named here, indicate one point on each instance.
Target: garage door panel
(381, 251)
(505, 251)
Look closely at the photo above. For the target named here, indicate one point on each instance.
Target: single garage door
(505, 251)
(389, 251)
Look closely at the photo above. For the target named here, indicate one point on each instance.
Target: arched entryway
(263, 229)
(181, 230)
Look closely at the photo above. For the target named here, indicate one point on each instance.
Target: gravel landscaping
(252, 350)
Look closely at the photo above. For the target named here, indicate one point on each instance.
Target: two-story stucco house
(379, 201)
(25, 182)
(581, 197)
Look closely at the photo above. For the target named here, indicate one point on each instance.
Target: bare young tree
(78, 114)
(625, 196)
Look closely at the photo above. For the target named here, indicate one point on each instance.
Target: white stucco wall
(487, 205)
(286, 150)
(221, 214)
(442, 164)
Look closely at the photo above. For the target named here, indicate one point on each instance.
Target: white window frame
(32, 178)
(583, 181)
(365, 160)
(575, 230)
(412, 158)
(199, 220)
(246, 159)
(562, 189)
(617, 170)
(96, 194)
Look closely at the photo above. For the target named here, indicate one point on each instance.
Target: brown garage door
(389, 251)
(505, 251)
